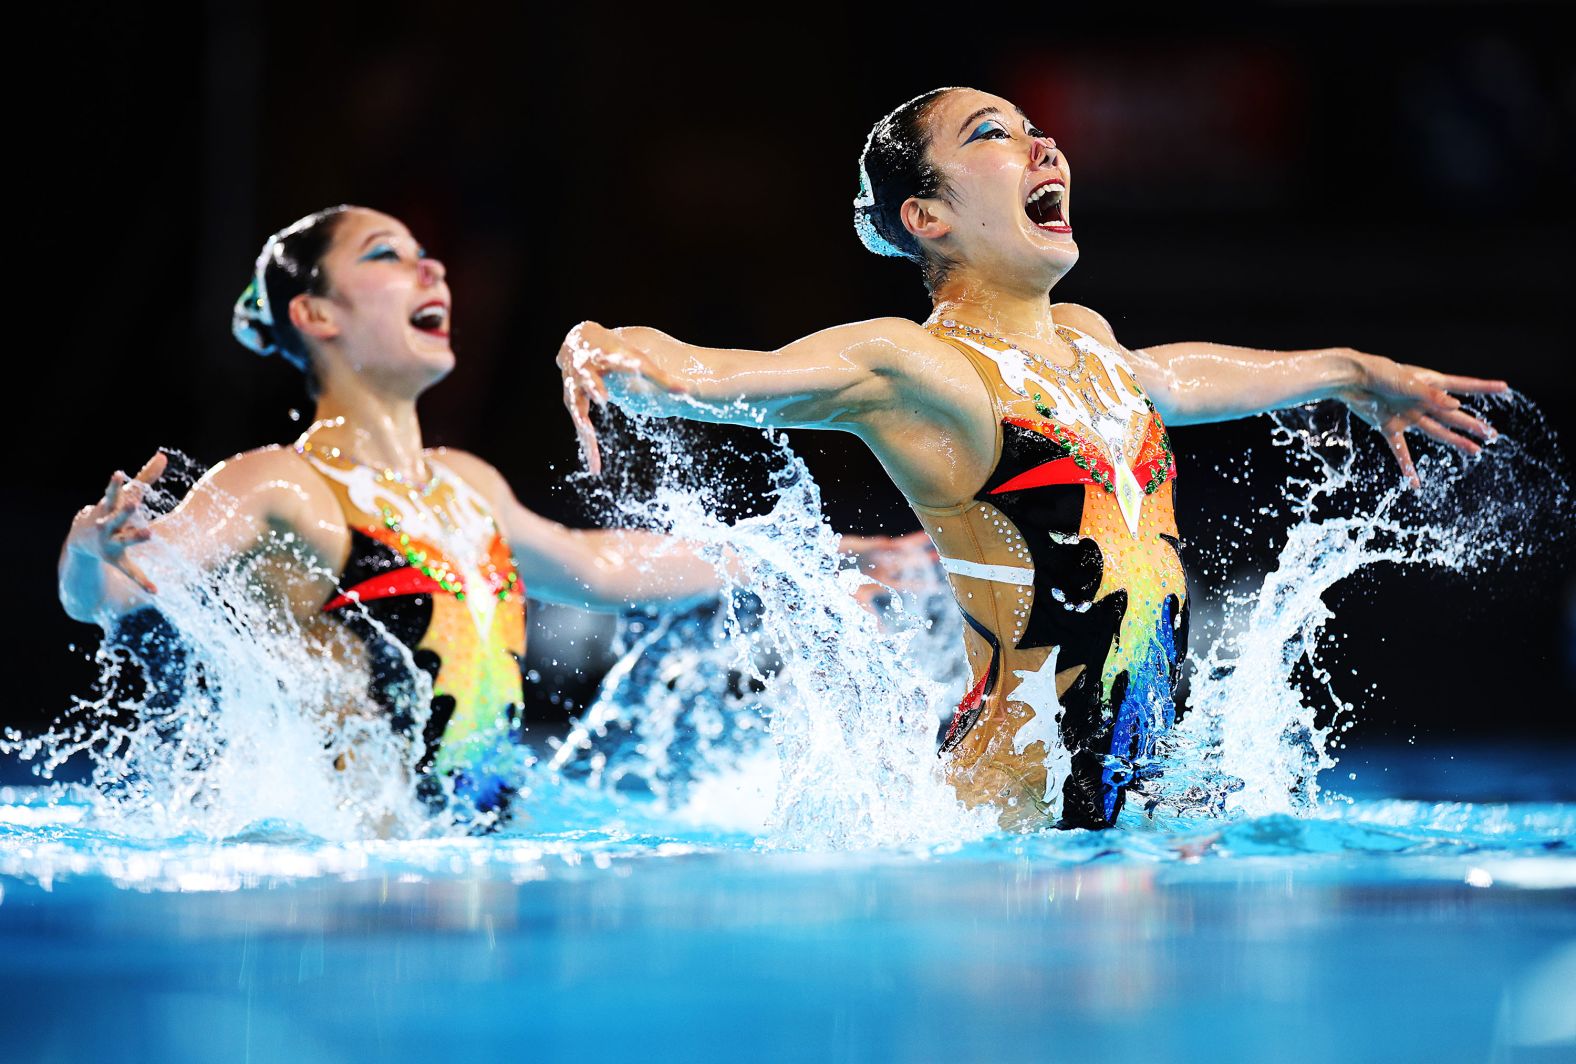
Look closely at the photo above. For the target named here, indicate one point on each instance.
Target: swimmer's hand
(588, 355)
(1393, 398)
(105, 529)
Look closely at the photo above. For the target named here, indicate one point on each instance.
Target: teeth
(1044, 190)
(429, 317)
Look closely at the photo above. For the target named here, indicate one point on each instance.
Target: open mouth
(431, 318)
(1045, 206)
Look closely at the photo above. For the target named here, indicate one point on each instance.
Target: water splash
(221, 709)
(791, 711)
(1255, 743)
(1266, 721)
(848, 704)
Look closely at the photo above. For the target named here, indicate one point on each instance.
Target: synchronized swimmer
(418, 554)
(1030, 443)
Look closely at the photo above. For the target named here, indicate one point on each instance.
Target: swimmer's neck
(374, 430)
(1023, 312)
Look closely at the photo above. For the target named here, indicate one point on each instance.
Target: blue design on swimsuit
(1148, 709)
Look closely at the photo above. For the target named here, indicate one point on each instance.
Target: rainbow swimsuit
(430, 580)
(1066, 566)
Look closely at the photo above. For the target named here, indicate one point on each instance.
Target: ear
(922, 217)
(313, 316)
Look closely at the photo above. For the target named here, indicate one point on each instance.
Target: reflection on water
(1385, 930)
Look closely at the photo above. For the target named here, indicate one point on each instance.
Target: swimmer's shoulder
(1090, 323)
(888, 346)
(478, 473)
(261, 467)
(273, 484)
(900, 332)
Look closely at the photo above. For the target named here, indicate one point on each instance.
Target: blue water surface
(1431, 918)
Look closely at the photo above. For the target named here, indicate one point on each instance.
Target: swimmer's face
(1008, 211)
(387, 308)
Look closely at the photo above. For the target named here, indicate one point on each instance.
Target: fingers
(127, 498)
(1444, 435)
(1471, 385)
(585, 433)
(120, 483)
(112, 492)
(134, 571)
(579, 407)
(591, 450)
(578, 364)
(118, 505)
(590, 352)
(1468, 423)
(134, 534)
(587, 367)
(153, 468)
(1396, 438)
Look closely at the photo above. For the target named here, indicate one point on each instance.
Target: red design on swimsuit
(406, 581)
(971, 703)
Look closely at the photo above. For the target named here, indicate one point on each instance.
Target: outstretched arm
(836, 378)
(600, 569)
(608, 569)
(226, 513)
(1199, 382)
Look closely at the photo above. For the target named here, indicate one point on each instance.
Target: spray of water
(793, 710)
(223, 711)
(1256, 742)
(846, 692)
(1266, 720)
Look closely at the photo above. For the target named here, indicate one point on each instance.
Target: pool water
(1394, 927)
(744, 849)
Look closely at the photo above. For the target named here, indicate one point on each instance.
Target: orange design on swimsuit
(429, 569)
(1065, 564)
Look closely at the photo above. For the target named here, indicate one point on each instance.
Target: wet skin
(372, 362)
(916, 400)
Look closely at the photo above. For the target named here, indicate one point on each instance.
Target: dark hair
(894, 166)
(291, 263)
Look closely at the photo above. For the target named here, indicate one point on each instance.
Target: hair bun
(865, 218)
(870, 236)
(252, 323)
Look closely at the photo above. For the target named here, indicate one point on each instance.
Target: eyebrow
(981, 113)
(378, 233)
(988, 110)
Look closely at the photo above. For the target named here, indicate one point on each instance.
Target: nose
(1045, 151)
(429, 272)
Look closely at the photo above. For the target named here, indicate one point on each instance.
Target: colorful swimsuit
(1066, 566)
(430, 580)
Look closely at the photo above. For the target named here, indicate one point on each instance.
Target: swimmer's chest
(1088, 427)
(427, 562)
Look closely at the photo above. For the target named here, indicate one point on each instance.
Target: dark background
(1394, 177)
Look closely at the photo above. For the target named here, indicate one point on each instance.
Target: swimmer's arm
(1196, 382)
(609, 570)
(838, 378)
(606, 570)
(104, 561)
